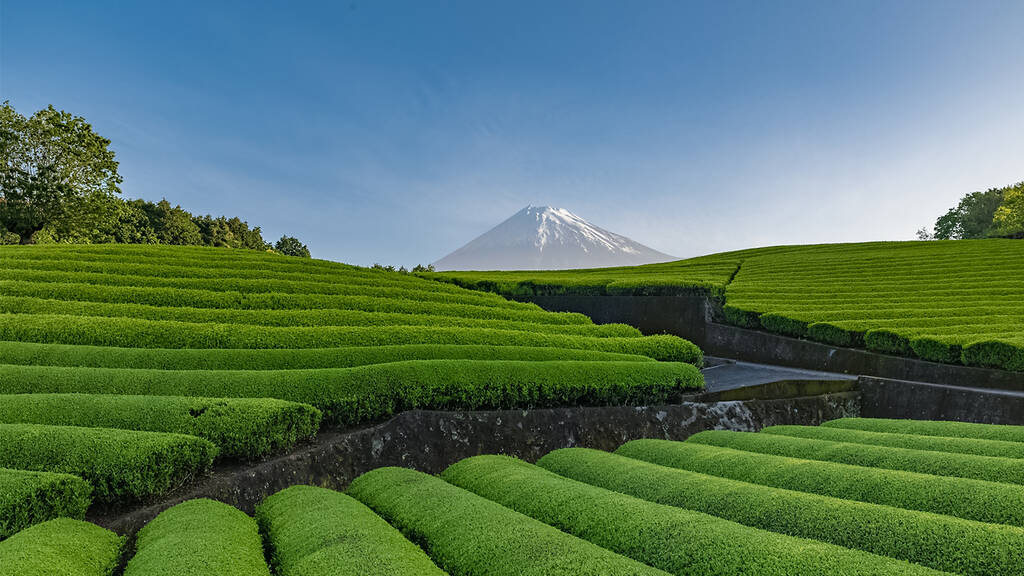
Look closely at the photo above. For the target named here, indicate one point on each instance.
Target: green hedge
(678, 541)
(901, 440)
(367, 393)
(286, 318)
(136, 333)
(467, 534)
(35, 354)
(960, 497)
(61, 547)
(120, 465)
(239, 427)
(967, 430)
(313, 531)
(940, 542)
(199, 538)
(28, 498)
(987, 468)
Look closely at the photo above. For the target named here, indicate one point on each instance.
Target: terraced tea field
(127, 372)
(853, 497)
(944, 301)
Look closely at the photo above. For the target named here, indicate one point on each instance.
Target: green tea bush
(677, 541)
(136, 333)
(61, 547)
(239, 427)
(974, 446)
(120, 465)
(966, 430)
(941, 542)
(313, 531)
(35, 354)
(467, 534)
(367, 393)
(199, 538)
(960, 497)
(28, 498)
(988, 468)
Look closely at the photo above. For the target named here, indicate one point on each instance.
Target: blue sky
(395, 132)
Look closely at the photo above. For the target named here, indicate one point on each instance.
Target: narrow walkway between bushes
(722, 374)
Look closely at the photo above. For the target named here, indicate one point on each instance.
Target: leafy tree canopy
(972, 217)
(1009, 217)
(290, 246)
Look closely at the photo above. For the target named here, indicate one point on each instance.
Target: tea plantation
(943, 301)
(847, 498)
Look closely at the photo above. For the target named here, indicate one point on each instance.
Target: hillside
(945, 301)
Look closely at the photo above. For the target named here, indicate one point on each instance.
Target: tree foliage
(291, 246)
(971, 218)
(1009, 217)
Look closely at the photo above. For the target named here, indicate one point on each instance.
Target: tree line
(59, 183)
(994, 213)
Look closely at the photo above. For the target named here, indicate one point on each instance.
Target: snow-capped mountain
(546, 238)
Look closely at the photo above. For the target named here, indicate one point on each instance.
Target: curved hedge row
(973, 446)
(367, 393)
(940, 542)
(28, 498)
(959, 497)
(678, 541)
(292, 318)
(61, 547)
(120, 465)
(35, 354)
(987, 468)
(467, 534)
(968, 430)
(239, 427)
(199, 538)
(313, 531)
(135, 333)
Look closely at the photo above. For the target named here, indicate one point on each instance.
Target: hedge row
(988, 468)
(313, 531)
(61, 547)
(940, 542)
(28, 498)
(467, 534)
(120, 465)
(967, 430)
(35, 354)
(239, 427)
(367, 393)
(133, 333)
(974, 446)
(286, 318)
(678, 541)
(959, 497)
(199, 538)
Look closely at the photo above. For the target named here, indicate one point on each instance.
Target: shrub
(119, 464)
(318, 532)
(960, 497)
(366, 393)
(28, 498)
(467, 534)
(967, 430)
(199, 538)
(61, 547)
(904, 440)
(940, 542)
(239, 427)
(675, 540)
(35, 354)
(921, 461)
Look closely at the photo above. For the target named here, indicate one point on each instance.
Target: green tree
(54, 172)
(291, 246)
(1009, 217)
(972, 218)
(173, 225)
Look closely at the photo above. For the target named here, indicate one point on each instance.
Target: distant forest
(995, 213)
(59, 184)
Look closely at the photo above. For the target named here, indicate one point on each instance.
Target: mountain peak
(548, 238)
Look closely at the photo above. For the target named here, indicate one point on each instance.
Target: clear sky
(395, 132)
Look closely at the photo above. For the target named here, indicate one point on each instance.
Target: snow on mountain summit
(546, 238)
